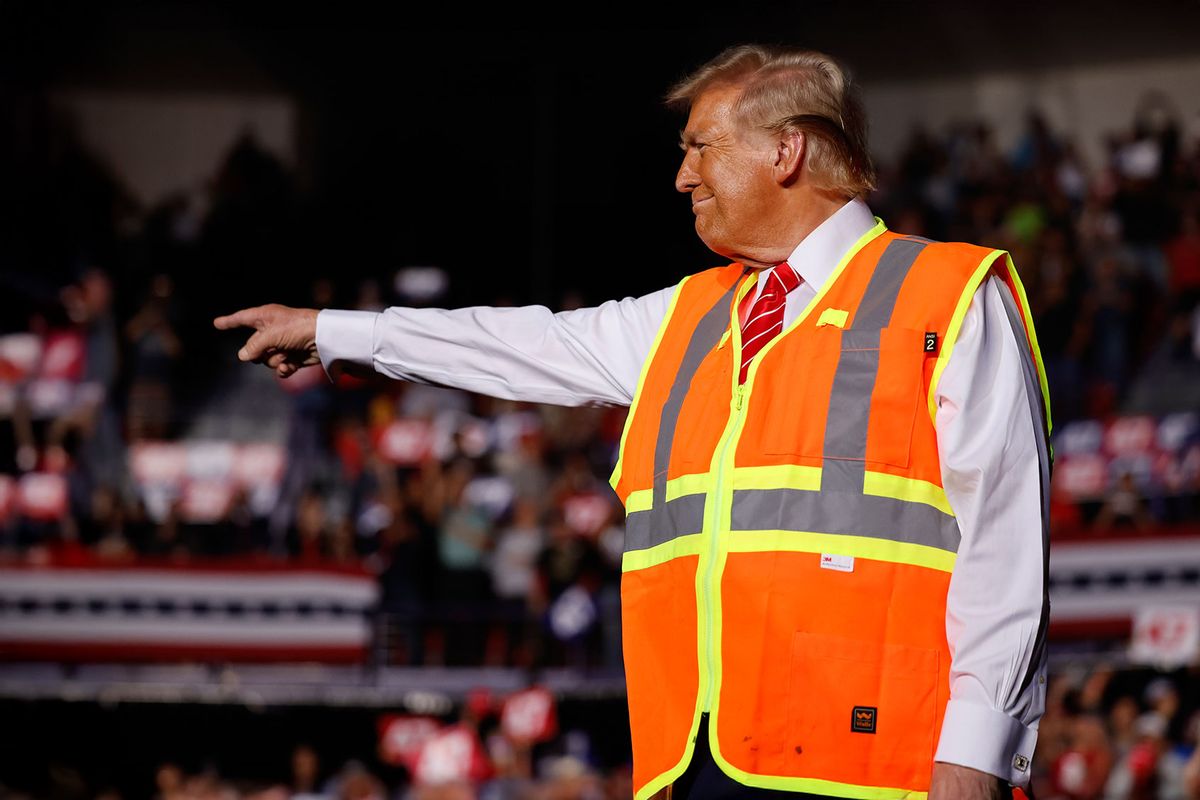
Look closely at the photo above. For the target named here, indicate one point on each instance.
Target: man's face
(727, 171)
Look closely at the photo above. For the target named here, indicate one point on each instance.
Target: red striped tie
(766, 316)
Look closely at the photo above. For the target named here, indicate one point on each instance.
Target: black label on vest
(863, 719)
(930, 341)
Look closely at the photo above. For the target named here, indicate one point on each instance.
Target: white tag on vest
(840, 563)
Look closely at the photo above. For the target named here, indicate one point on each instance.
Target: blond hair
(786, 90)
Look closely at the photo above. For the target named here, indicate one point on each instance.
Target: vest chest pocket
(875, 380)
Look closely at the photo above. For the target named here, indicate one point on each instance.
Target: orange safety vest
(788, 543)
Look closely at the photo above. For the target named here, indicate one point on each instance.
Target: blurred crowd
(488, 523)
(1109, 253)
(483, 762)
(559, 778)
(1111, 734)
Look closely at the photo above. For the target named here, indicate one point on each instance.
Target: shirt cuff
(988, 740)
(345, 336)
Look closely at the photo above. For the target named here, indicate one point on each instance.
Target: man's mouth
(702, 200)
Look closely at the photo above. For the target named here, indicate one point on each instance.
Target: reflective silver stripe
(845, 514)
(706, 336)
(682, 516)
(679, 517)
(849, 412)
(845, 451)
(1033, 389)
(879, 300)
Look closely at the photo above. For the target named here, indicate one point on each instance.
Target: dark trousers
(704, 780)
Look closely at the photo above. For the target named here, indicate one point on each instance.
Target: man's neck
(803, 212)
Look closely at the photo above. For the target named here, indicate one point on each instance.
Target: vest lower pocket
(862, 711)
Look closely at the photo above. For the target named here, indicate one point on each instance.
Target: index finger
(248, 317)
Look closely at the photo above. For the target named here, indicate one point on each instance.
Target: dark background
(531, 163)
(526, 162)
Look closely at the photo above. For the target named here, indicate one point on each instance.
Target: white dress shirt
(986, 443)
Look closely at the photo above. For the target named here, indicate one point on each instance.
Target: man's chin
(702, 230)
(714, 243)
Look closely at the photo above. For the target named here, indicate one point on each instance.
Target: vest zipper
(718, 495)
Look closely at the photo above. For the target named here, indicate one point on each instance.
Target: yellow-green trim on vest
(796, 476)
(917, 516)
(1033, 342)
(712, 561)
(785, 540)
(704, 569)
(884, 550)
(660, 781)
(712, 549)
(810, 785)
(684, 485)
(799, 476)
(833, 514)
(913, 490)
(615, 477)
(955, 325)
(682, 516)
(849, 407)
(844, 514)
(632, 560)
(952, 330)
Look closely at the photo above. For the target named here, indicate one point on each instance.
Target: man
(834, 581)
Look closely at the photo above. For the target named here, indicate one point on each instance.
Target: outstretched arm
(585, 356)
(995, 470)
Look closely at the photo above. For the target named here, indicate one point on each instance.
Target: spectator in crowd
(1123, 508)
(1183, 256)
(307, 540)
(1151, 770)
(306, 774)
(514, 572)
(156, 347)
(464, 542)
(1081, 771)
(1122, 726)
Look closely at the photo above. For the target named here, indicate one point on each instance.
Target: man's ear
(789, 155)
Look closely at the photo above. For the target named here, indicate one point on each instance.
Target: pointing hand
(285, 339)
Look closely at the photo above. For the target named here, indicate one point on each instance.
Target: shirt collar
(819, 253)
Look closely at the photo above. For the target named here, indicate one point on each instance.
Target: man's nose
(686, 178)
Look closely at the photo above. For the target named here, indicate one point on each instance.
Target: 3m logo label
(863, 719)
(838, 562)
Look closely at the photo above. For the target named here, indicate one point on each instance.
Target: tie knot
(786, 275)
